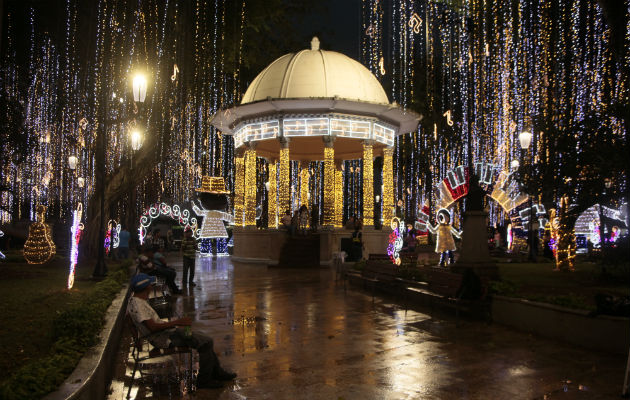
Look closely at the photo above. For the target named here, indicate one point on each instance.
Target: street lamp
(136, 140)
(139, 88)
(72, 162)
(515, 164)
(525, 139)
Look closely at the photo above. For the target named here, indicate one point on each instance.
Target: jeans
(123, 253)
(208, 362)
(189, 265)
(168, 274)
(449, 254)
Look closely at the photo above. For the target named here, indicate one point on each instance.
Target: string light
(239, 191)
(284, 193)
(329, 185)
(368, 184)
(272, 196)
(249, 210)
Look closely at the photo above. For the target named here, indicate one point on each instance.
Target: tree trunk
(122, 182)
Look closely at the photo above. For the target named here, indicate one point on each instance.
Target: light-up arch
(162, 209)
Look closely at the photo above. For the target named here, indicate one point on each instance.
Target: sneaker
(210, 384)
(224, 375)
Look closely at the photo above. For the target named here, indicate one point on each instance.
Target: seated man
(166, 273)
(164, 334)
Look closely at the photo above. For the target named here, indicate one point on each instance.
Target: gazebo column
(368, 184)
(239, 187)
(338, 195)
(388, 185)
(250, 185)
(272, 194)
(284, 187)
(304, 184)
(329, 181)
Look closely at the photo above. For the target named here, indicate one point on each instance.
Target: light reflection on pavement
(296, 334)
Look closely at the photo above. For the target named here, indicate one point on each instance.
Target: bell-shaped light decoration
(136, 140)
(139, 88)
(81, 182)
(525, 138)
(267, 185)
(515, 164)
(377, 198)
(72, 162)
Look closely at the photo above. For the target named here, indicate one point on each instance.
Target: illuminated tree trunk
(566, 238)
(388, 185)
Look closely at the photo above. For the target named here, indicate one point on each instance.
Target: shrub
(74, 331)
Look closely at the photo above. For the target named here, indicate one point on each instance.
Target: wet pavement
(297, 334)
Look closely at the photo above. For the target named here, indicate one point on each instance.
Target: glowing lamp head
(515, 164)
(139, 88)
(526, 139)
(136, 140)
(72, 162)
(81, 182)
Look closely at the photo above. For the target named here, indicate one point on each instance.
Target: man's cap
(141, 281)
(143, 259)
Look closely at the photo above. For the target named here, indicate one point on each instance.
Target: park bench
(379, 270)
(448, 287)
(151, 360)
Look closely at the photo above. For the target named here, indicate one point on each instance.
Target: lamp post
(525, 139)
(139, 88)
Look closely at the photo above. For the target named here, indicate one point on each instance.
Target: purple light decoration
(76, 230)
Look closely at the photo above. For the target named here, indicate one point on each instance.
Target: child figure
(445, 244)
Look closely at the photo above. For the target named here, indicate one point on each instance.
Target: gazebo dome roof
(315, 73)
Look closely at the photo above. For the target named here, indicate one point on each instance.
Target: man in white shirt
(164, 334)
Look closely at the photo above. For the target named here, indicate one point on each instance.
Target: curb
(91, 378)
(603, 333)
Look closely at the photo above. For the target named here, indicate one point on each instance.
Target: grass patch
(45, 327)
(577, 290)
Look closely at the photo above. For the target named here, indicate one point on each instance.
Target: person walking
(123, 244)
(188, 250)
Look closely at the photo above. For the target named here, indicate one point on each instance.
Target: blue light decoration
(222, 247)
(205, 246)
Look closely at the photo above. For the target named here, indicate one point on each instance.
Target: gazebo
(313, 105)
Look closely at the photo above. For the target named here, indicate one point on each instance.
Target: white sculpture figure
(212, 199)
(445, 244)
(2, 256)
(213, 227)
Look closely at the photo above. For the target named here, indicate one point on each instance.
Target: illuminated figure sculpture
(395, 242)
(39, 247)
(421, 224)
(212, 207)
(445, 244)
(2, 256)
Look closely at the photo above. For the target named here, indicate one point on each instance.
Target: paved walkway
(296, 334)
